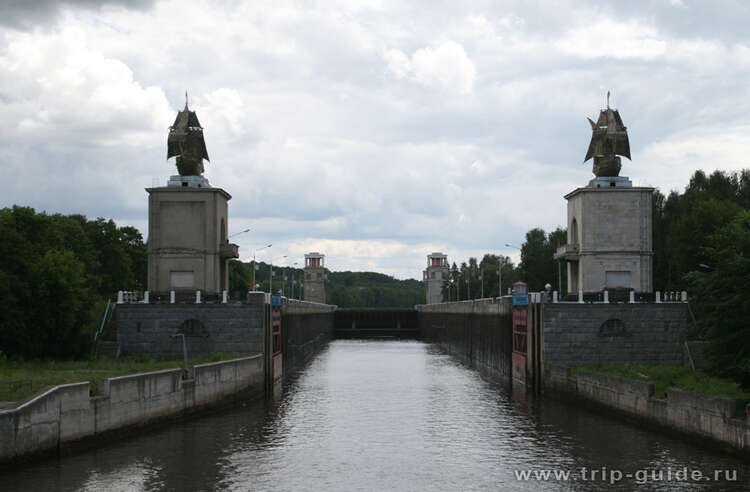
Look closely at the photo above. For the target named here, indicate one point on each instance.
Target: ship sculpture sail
(608, 140)
(185, 141)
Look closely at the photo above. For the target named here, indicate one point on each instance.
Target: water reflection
(380, 415)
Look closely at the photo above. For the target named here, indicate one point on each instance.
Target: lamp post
(500, 276)
(270, 277)
(294, 277)
(238, 233)
(255, 265)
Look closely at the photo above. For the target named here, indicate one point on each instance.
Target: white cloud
(672, 161)
(616, 39)
(444, 65)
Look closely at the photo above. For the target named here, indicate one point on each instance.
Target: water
(384, 415)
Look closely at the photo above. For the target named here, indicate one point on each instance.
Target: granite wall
(577, 334)
(232, 328)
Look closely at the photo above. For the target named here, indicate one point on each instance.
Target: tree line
(56, 273)
(344, 289)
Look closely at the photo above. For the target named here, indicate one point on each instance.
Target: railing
(107, 311)
(622, 296)
(175, 297)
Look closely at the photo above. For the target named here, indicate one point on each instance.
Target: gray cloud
(25, 14)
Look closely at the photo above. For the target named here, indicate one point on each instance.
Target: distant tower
(315, 278)
(435, 276)
(609, 221)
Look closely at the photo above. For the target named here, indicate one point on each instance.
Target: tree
(54, 270)
(62, 296)
(721, 298)
(538, 266)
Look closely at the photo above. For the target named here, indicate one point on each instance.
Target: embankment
(67, 413)
(723, 420)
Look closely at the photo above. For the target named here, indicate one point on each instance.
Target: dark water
(386, 415)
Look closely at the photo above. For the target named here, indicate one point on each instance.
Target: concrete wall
(576, 334)
(721, 419)
(67, 413)
(232, 328)
(307, 328)
(477, 332)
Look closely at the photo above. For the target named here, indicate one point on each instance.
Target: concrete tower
(435, 277)
(315, 277)
(188, 247)
(609, 221)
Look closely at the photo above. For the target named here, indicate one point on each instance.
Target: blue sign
(520, 299)
(275, 300)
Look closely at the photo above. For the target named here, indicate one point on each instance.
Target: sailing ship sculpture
(185, 141)
(608, 140)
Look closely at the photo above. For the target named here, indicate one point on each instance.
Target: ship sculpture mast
(185, 141)
(608, 140)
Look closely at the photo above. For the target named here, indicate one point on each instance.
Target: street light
(255, 265)
(294, 277)
(270, 277)
(238, 233)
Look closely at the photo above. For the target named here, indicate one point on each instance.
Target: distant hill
(372, 290)
(344, 289)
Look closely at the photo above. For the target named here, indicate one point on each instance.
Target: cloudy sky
(372, 131)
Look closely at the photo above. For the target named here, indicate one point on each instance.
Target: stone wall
(232, 328)
(615, 333)
(721, 419)
(67, 413)
(477, 332)
(307, 328)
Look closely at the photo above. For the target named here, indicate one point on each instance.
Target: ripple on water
(378, 415)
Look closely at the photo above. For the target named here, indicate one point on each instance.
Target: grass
(21, 379)
(665, 376)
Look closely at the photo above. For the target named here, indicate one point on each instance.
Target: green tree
(538, 266)
(62, 298)
(721, 298)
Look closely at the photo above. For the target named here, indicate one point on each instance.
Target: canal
(388, 415)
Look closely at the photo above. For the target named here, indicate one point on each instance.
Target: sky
(372, 131)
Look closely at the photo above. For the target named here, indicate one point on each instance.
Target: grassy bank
(19, 380)
(665, 376)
